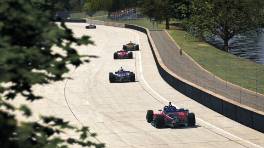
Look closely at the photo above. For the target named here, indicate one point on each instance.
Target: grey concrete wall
(98, 22)
(242, 115)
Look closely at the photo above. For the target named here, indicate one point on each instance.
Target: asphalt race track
(116, 112)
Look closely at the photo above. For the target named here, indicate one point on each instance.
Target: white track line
(201, 120)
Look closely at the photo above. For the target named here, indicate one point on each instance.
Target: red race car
(123, 55)
(170, 116)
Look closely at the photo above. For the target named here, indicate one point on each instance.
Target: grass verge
(236, 70)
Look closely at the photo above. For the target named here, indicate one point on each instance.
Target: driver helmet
(121, 69)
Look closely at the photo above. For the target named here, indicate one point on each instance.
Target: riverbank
(236, 70)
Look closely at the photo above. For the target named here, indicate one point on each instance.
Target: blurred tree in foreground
(26, 59)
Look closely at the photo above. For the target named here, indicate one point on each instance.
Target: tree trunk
(167, 23)
(226, 47)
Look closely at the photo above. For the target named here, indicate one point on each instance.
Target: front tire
(130, 55)
(191, 119)
(149, 116)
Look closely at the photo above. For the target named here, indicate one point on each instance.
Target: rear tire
(132, 77)
(125, 47)
(137, 47)
(149, 116)
(159, 121)
(191, 119)
(115, 55)
(111, 77)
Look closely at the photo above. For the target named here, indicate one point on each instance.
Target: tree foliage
(27, 36)
(226, 18)
(122, 4)
(164, 10)
(91, 6)
(26, 58)
(44, 133)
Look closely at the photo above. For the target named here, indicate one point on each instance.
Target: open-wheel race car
(90, 26)
(131, 47)
(122, 54)
(172, 117)
(122, 76)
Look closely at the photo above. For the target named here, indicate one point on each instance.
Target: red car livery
(170, 116)
(123, 55)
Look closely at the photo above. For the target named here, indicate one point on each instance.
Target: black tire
(124, 47)
(132, 77)
(115, 56)
(111, 77)
(149, 116)
(137, 47)
(191, 119)
(159, 121)
(130, 55)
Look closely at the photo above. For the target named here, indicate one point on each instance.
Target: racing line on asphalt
(68, 105)
(66, 100)
(161, 97)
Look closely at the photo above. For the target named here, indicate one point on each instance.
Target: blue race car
(121, 76)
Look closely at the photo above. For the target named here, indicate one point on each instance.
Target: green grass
(78, 15)
(100, 13)
(236, 70)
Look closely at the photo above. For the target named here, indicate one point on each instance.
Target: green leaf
(26, 111)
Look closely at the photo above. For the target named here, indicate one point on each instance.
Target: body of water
(249, 45)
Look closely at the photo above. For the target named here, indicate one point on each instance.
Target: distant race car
(121, 76)
(131, 47)
(123, 55)
(172, 117)
(90, 26)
